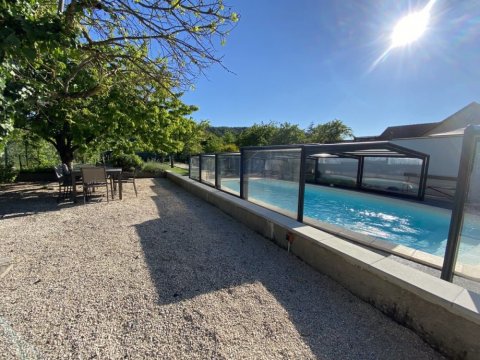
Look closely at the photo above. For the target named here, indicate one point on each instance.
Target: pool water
(402, 222)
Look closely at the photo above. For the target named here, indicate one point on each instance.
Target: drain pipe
(290, 239)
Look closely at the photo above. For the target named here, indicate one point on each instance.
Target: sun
(411, 27)
(408, 29)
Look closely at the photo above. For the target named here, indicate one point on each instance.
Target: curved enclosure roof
(350, 149)
(359, 149)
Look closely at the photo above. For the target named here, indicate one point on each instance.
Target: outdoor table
(115, 173)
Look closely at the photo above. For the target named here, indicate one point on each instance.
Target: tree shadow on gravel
(193, 248)
(24, 199)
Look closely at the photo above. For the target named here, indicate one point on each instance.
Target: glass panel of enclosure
(337, 171)
(469, 250)
(392, 174)
(310, 170)
(271, 179)
(229, 173)
(195, 167)
(208, 169)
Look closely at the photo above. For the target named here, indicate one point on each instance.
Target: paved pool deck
(166, 275)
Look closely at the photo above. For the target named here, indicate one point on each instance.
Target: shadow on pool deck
(194, 249)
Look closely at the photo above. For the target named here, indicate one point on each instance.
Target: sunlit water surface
(398, 221)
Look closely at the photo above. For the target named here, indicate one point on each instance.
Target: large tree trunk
(65, 150)
(67, 158)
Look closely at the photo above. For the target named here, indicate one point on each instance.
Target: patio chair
(128, 177)
(93, 178)
(64, 182)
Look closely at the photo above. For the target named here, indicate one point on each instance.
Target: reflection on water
(414, 225)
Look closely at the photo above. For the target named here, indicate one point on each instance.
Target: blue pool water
(411, 224)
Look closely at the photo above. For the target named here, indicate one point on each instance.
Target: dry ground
(167, 276)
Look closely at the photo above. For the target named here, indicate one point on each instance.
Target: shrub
(154, 167)
(7, 173)
(44, 169)
(127, 162)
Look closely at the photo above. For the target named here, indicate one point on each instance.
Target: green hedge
(127, 162)
(7, 173)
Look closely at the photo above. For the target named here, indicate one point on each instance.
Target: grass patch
(158, 167)
(179, 171)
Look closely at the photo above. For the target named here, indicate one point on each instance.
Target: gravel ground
(166, 275)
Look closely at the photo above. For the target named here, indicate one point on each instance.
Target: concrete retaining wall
(445, 315)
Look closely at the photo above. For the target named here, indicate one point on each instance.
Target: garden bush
(154, 167)
(8, 174)
(127, 162)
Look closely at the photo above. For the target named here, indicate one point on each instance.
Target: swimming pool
(402, 222)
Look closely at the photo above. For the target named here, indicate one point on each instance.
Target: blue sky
(311, 61)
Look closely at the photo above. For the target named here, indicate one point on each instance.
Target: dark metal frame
(217, 173)
(218, 179)
(190, 166)
(243, 181)
(301, 187)
(361, 151)
(301, 183)
(471, 140)
(217, 184)
(351, 150)
(201, 167)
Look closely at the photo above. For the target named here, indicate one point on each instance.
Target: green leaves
(330, 132)
(103, 74)
(287, 134)
(234, 17)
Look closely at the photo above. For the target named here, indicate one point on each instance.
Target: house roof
(452, 125)
(469, 115)
(407, 131)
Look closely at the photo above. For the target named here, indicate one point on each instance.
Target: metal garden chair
(92, 178)
(64, 182)
(128, 177)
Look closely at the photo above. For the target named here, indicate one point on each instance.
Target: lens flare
(408, 30)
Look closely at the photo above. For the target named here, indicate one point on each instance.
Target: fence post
(461, 193)
(423, 178)
(200, 168)
(301, 187)
(217, 173)
(360, 165)
(243, 182)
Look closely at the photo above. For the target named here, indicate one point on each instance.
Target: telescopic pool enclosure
(381, 167)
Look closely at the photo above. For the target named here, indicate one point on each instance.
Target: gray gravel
(166, 275)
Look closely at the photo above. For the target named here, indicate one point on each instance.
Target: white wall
(474, 192)
(444, 152)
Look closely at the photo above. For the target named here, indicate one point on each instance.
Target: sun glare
(410, 28)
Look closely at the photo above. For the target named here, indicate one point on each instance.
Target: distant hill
(221, 130)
